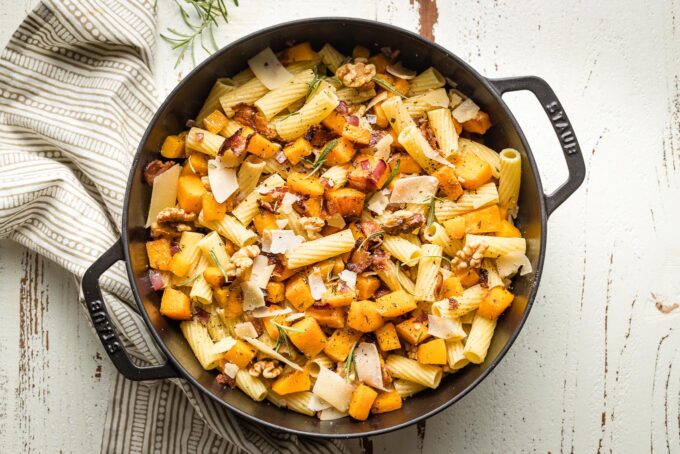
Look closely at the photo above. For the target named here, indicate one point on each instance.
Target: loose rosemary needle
(207, 12)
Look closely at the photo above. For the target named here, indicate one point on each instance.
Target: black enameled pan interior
(185, 101)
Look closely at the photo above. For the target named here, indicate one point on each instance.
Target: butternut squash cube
(448, 182)
(275, 292)
(473, 171)
(240, 354)
(360, 52)
(335, 121)
(381, 120)
(396, 303)
(332, 318)
(361, 402)
(478, 125)
(221, 296)
(307, 336)
(452, 287)
(387, 337)
(298, 52)
(337, 299)
(386, 401)
(196, 164)
(366, 286)
(265, 220)
(508, 230)
(234, 305)
(262, 147)
(180, 265)
(340, 343)
(294, 382)
(215, 122)
(303, 184)
(412, 331)
(468, 278)
(380, 61)
(406, 163)
(175, 304)
(455, 227)
(160, 255)
(213, 276)
(483, 220)
(298, 293)
(173, 147)
(190, 192)
(433, 352)
(212, 210)
(494, 303)
(311, 207)
(345, 201)
(356, 134)
(341, 153)
(364, 316)
(297, 150)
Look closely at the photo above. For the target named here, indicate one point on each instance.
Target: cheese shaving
(252, 296)
(264, 312)
(316, 286)
(379, 201)
(466, 110)
(280, 241)
(267, 350)
(418, 190)
(223, 345)
(318, 404)
(282, 223)
(508, 264)
(349, 278)
(269, 70)
(332, 388)
(287, 202)
(337, 221)
(164, 192)
(261, 271)
(445, 328)
(230, 370)
(223, 181)
(367, 363)
(383, 147)
(245, 329)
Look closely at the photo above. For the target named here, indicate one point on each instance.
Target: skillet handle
(105, 329)
(562, 127)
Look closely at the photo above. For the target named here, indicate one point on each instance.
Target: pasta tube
(428, 269)
(420, 104)
(249, 174)
(331, 57)
(395, 279)
(426, 81)
(510, 175)
(436, 234)
(468, 301)
(479, 339)
(316, 109)
(496, 245)
(484, 153)
(222, 86)
(441, 123)
(278, 99)
(401, 248)
(396, 113)
(231, 229)
(481, 197)
(417, 146)
(250, 385)
(201, 344)
(455, 354)
(248, 208)
(324, 248)
(413, 371)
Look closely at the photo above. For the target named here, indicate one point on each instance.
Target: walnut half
(171, 222)
(356, 75)
(266, 368)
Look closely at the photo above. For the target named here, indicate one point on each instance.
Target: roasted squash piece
(345, 201)
(175, 304)
(478, 125)
(160, 255)
(293, 382)
(303, 184)
(361, 402)
(364, 316)
(341, 342)
(386, 401)
(298, 292)
(471, 170)
(448, 182)
(494, 303)
(387, 337)
(432, 352)
(190, 192)
(308, 337)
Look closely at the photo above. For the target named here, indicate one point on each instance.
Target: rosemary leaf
(393, 173)
(348, 361)
(372, 235)
(322, 156)
(387, 86)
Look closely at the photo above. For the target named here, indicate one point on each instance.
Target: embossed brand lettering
(112, 347)
(564, 132)
(95, 305)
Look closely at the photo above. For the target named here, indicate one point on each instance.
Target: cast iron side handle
(562, 127)
(102, 322)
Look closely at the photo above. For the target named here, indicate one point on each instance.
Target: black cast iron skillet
(343, 33)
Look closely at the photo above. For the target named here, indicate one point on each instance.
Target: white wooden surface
(596, 367)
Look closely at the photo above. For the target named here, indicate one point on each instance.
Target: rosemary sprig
(316, 80)
(372, 235)
(387, 86)
(208, 12)
(283, 334)
(189, 281)
(348, 361)
(322, 157)
(213, 256)
(430, 212)
(287, 328)
(393, 173)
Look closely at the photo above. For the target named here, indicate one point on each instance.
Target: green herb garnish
(208, 12)
(322, 156)
(316, 80)
(283, 117)
(287, 328)
(188, 281)
(430, 212)
(282, 335)
(387, 86)
(393, 173)
(372, 235)
(217, 263)
(349, 360)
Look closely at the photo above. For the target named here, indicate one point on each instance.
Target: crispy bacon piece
(225, 380)
(369, 228)
(155, 168)
(379, 259)
(360, 260)
(428, 134)
(484, 278)
(201, 316)
(237, 143)
(403, 221)
(342, 108)
(382, 291)
(250, 116)
(318, 135)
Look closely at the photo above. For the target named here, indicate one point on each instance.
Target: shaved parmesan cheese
(262, 312)
(455, 98)
(269, 70)
(445, 328)
(230, 370)
(223, 345)
(317, 404)
(349, 278)
(398, 70)
(267, 350)
(164, 193)
(332, 388)
(367, 363)
(261, 271)
(466, 110)
(508, 264)
(223, 181)
(379, 201)
(282, 223)
(245, 330)
(287, 202)
(418, 189)
(330, 414)
(280, 241)
(383, 147)
(316, 286)
(337, 221)
(252, 296)
(295, 316)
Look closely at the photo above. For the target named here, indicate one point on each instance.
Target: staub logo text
(564, 132)
(103, 326)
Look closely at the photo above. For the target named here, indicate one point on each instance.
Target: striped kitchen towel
(76, 93)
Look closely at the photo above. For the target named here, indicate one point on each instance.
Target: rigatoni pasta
(334, 231)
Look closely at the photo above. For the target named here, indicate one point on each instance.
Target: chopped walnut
(312, 226)
(241, 260)
(411, 351)
(402, 221)
(469, 257)
(356, 75)
(155, 168)
(225, 380)
(266, 368)
(171, 222)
